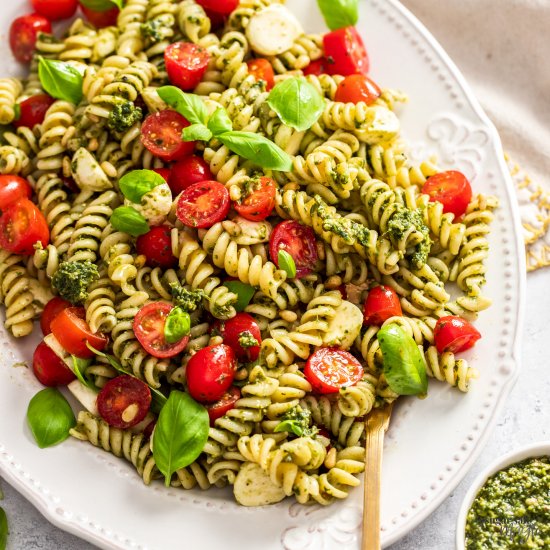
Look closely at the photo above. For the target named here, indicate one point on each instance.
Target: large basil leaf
(136, 183)
(129, 220)
(60, 80)
(191, 106)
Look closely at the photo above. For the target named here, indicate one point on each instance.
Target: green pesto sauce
(123, 116)
(246, 340)
(188, 300)
(297, 421)
(512, 509)
(72, 280)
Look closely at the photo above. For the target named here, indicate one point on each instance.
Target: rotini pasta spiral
(10, 89)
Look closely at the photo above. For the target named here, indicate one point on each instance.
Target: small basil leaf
(60, 80)
(404, 366)
(177, 325)
(136, 183)
(17, 111)
(339, 13)
(191, 106)
(297, 103)
(102, 5)
(79, 368)
(291, 426)
(286, 262)
(180, 433)
(129, 220)
(258, 149)
(243, 291)
(220, 122)
(50, 417)
(196, 132)
(3, 529)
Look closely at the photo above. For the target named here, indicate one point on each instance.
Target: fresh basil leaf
(180, 433)
(219, 122)
(3, 529)
(136, 183)
(404, 366)
(60, 80)
(297, 103)
(17, 111)
(79, 368)
(50, 417)
(129, 220)
(286, 263)
(177, 325)
(339, 13)
(243, 291)
(196, 132)
(102, 5)
(258, 149)
(290, 426)
(191, 106)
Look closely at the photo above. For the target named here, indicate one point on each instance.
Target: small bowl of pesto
(508, 505)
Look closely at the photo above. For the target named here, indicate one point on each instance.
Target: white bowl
(542, 448)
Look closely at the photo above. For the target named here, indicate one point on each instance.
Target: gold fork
(376, 426)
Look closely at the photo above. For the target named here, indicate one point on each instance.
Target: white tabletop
(525, 419)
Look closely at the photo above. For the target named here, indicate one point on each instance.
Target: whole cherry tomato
(455, 334)
(382, 303)
(23, 33)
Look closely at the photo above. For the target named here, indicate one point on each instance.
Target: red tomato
(189, 170)
(186, 64)
(163, 173)
(100, 19)
(156, 246)
(23, 32)
(261, 69)
(299, 241)
(356, 88)
(21, 226)
(210, 373)
(13, 188)
(55, 9)
(329, 369)
(225, 7)
(452, 189)
(33, 110)
(203, 204)
(260, 201)
(149, 330)
(161, 134)
(382, 303)
(455, 334)
(217, 20)
(72, 331)
(53, 308)
(232, 330)
(124, 401)
(224, 404)
(317, 67)
(49, 368)
(345, 52)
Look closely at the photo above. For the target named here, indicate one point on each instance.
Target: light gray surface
(525, 419)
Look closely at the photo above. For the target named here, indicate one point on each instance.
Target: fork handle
(371, 505)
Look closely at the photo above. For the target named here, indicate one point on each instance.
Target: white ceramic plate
(431, 443)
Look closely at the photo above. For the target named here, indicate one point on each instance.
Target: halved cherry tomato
(237, 331)
(55, 9)
(186, 64)
(261, 69)
(161, 134)
(225, 7)
(345, 52)
(382, 303)
(259, 202)
(13, 188)
(299, 241)
(188, 171)
(157, 248)
(21, 226)
(224, 404)
(23, 33)
(210, 373)
(33, 110)
(317, 67)
(329, 369)
(149, 330)
(100, 19)
(49, 368)
(53, 308)
(203, 204)
(455, 334)
(72, 331)
(356, 88)
(452, 189)
(124, 401)
(163, 173)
